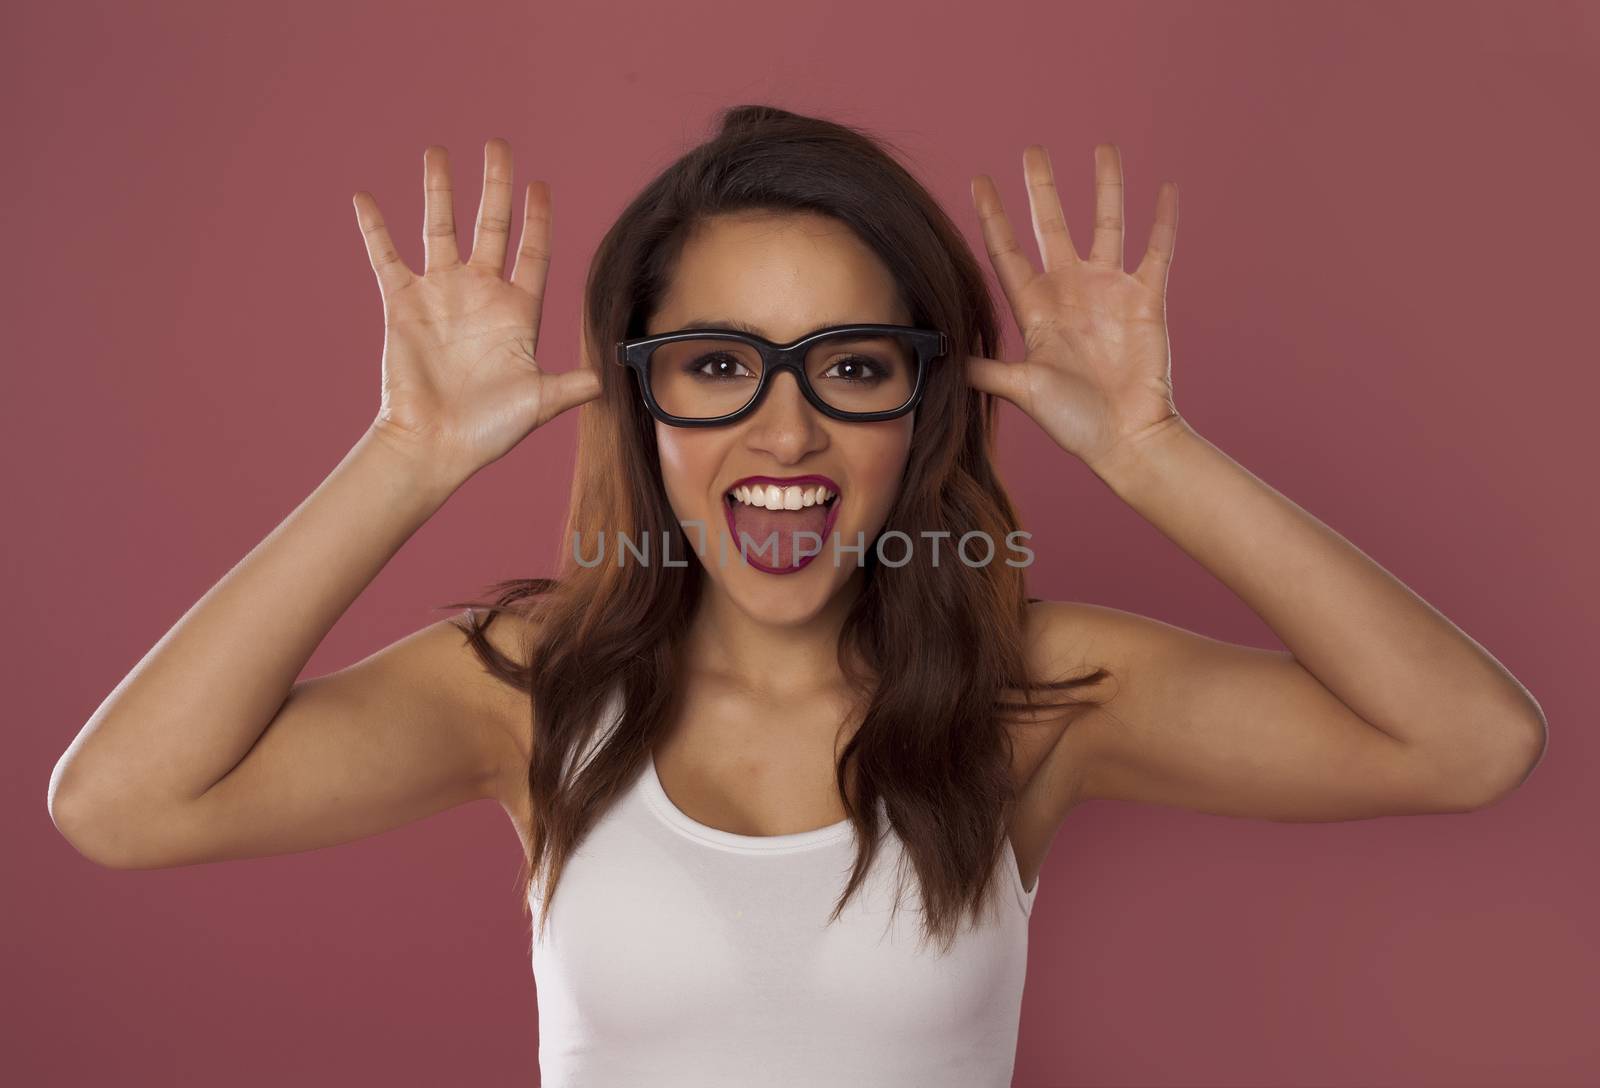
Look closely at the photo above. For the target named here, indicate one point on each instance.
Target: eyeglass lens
(703, 379)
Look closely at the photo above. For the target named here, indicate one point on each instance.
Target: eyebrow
(746, 327)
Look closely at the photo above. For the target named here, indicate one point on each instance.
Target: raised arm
(209, 749)
(1199, 723)
(1379, 706)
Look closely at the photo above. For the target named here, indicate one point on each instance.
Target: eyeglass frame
(930, 345)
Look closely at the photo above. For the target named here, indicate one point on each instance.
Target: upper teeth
(773, 497)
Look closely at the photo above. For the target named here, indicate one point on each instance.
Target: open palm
(1096, 375)
(461, 384)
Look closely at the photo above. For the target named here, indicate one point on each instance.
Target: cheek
(686, 465)
(879, 465)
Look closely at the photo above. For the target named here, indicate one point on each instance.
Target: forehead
(781, 275)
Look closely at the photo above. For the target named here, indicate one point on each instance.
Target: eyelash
(697, 366)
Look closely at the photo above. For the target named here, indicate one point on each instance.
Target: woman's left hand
(1097, 374)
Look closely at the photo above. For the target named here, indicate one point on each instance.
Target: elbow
(82, 831)
(83, 823)
(1521, 748)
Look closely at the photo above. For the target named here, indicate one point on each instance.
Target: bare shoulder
(1068, 638)
(1065, 640)
(497, 712)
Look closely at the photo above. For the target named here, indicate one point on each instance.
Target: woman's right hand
(461, 385)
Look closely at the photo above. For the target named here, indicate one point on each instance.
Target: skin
(785, 275)
(210, 749)
(1379, 705)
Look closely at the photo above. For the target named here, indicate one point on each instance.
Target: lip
(783, 481)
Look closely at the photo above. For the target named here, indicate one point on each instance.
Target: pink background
(1378, 305)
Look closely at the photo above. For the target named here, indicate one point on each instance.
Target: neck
(770, 657)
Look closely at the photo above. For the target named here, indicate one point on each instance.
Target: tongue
(752, 525)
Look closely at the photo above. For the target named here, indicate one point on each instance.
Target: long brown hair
(943, 642)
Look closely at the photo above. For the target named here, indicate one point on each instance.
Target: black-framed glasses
(711, 377)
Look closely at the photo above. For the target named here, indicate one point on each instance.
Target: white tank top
(678, 954)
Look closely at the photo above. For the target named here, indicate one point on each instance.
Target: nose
(785, 424)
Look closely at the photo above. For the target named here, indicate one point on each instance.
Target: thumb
(559, 392)
(994, 376)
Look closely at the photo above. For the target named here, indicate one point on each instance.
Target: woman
(735, 772)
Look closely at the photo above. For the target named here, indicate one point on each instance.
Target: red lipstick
(812, 480)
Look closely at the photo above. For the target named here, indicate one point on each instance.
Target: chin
(789, 597)
(780, 608)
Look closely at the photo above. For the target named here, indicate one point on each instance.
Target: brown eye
(857, 369)
(698, 367)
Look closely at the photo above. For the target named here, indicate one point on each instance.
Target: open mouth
(781, 525)
(774, 497)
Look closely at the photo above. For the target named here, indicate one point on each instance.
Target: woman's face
(783, 276)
